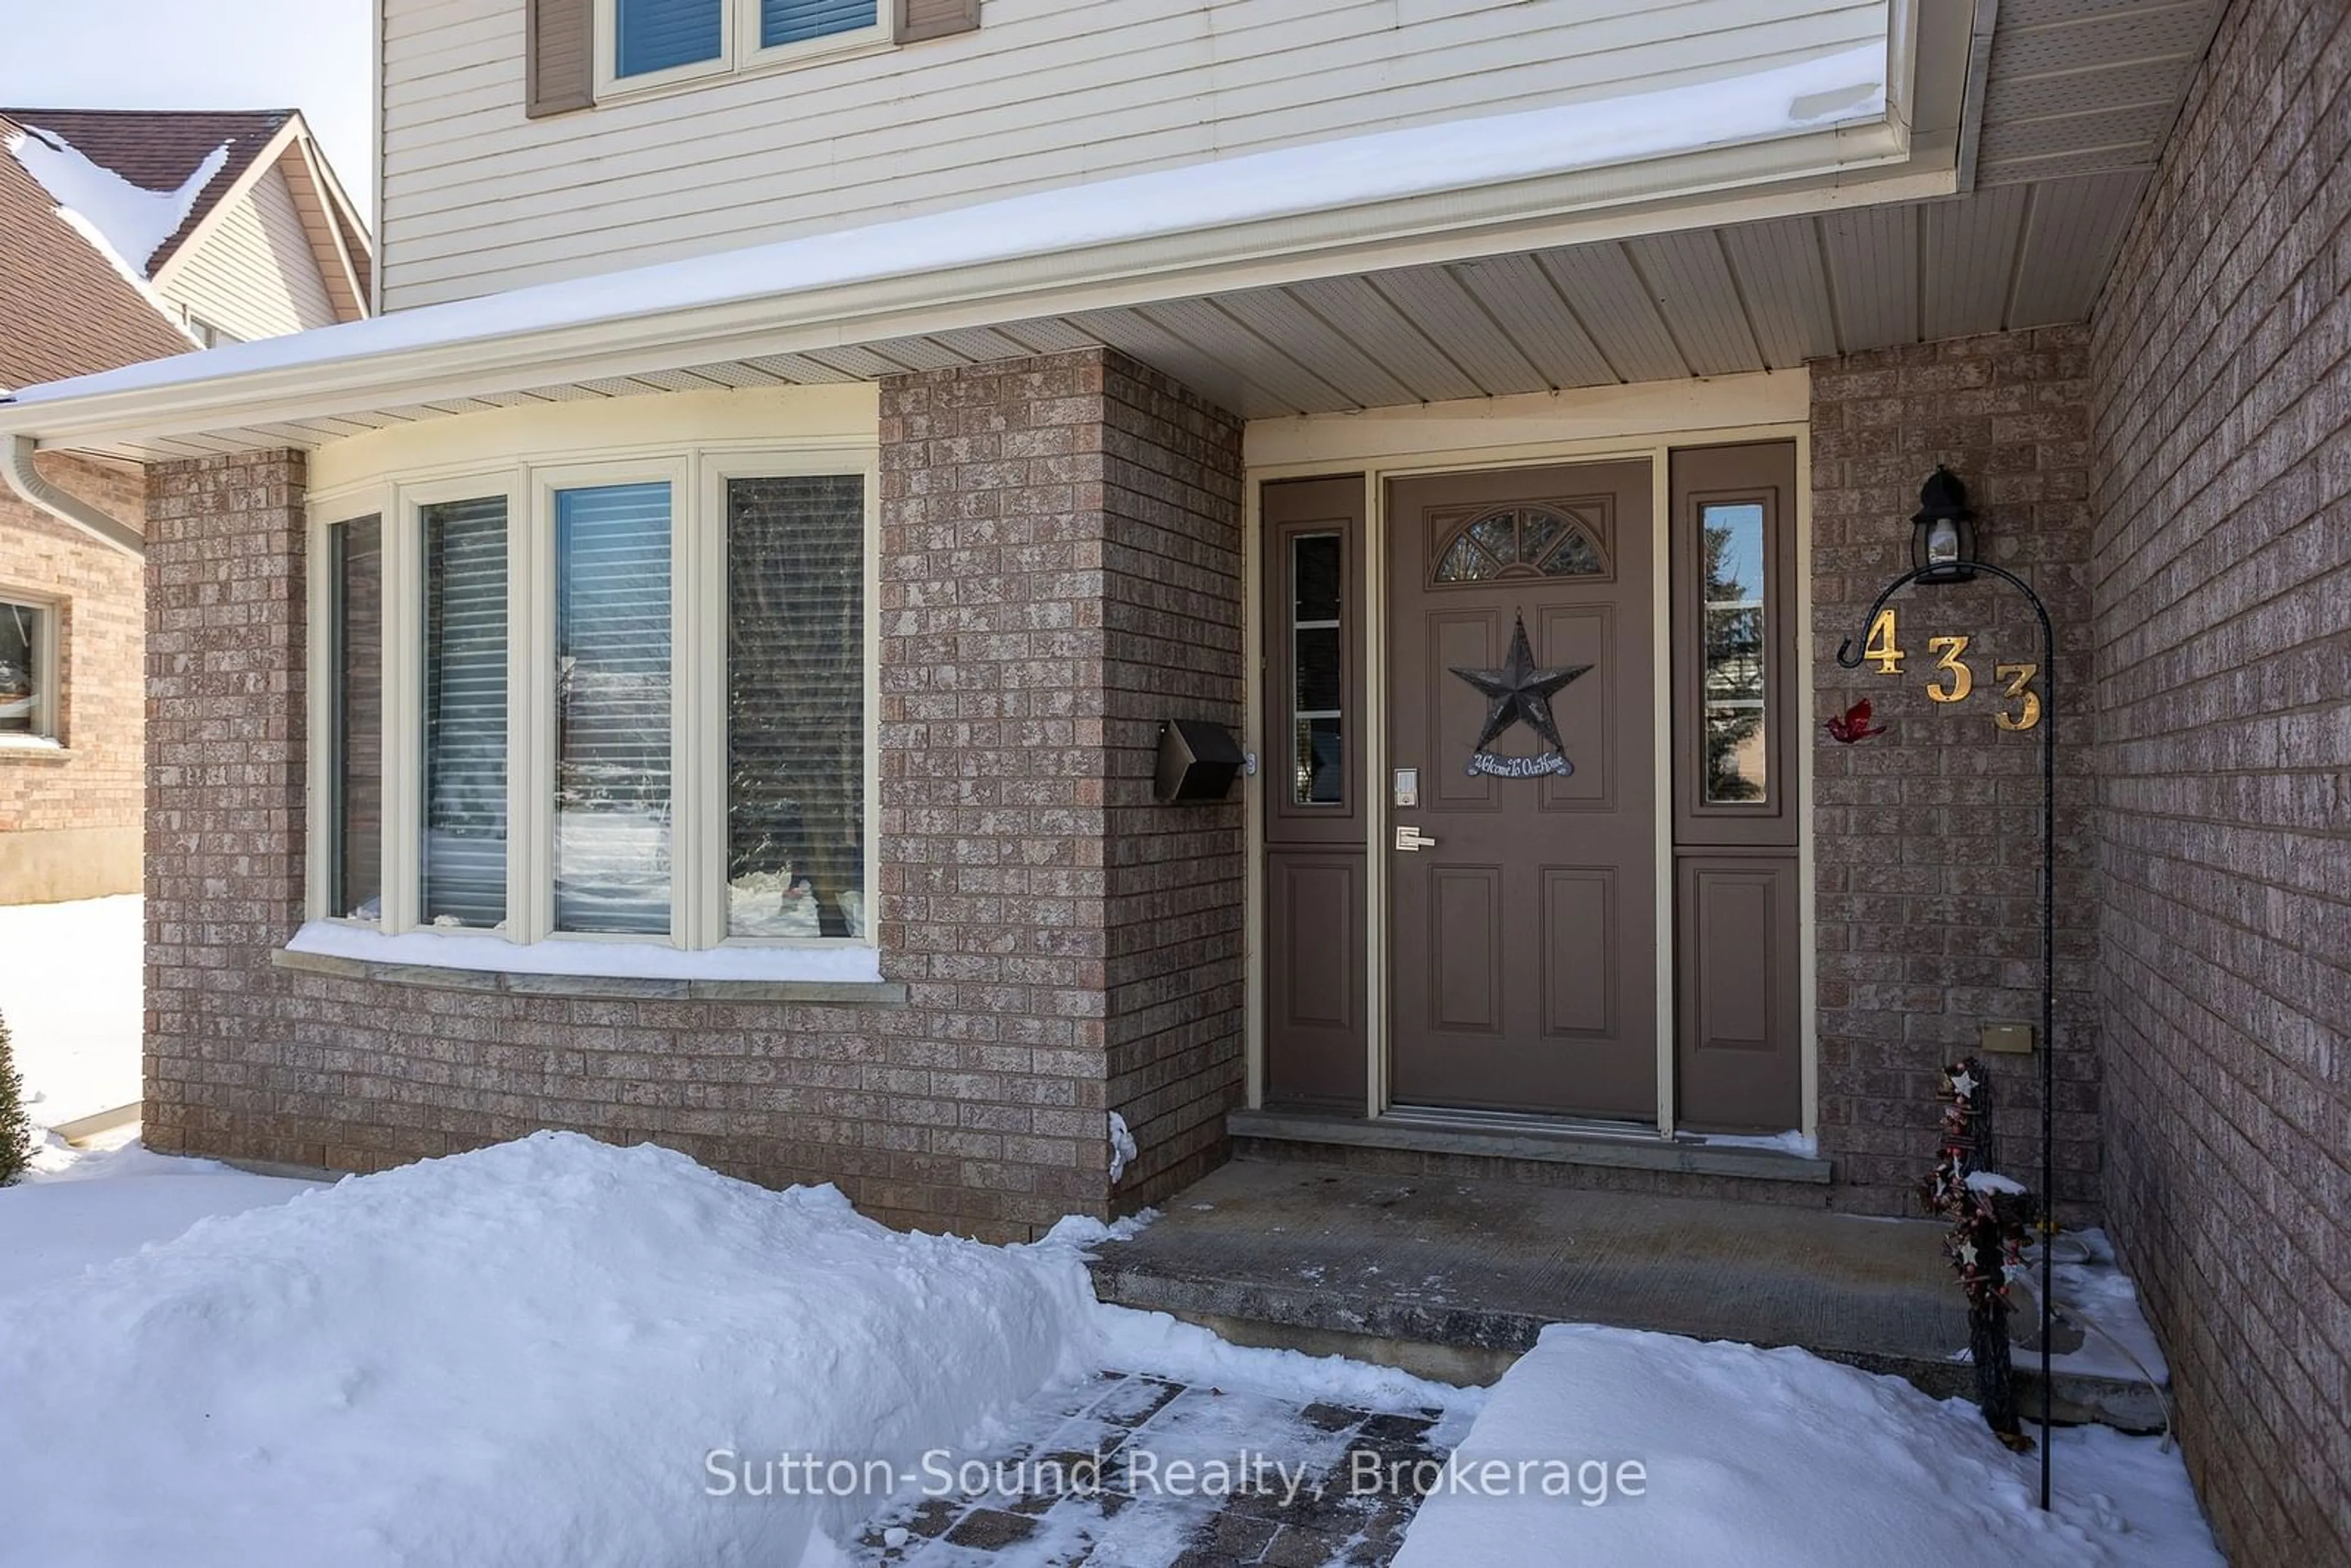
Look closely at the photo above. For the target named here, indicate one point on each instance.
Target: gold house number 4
(1954, 680)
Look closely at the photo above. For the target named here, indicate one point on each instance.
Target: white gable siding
(252, 272)
(1047, 92)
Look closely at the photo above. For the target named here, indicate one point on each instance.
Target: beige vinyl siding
(1045, 93)
(252, 272)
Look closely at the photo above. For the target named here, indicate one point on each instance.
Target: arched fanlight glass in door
(1522, 541)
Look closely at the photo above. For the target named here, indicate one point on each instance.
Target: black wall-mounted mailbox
(1196, 760)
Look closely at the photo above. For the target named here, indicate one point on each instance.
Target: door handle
(1409, 838)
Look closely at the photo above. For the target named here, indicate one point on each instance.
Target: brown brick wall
(1928, 843)
(1172, 607)
(2221, 489)
(1030, 511)
(90, 792)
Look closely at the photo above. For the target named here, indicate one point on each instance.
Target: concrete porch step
(1453, 1278)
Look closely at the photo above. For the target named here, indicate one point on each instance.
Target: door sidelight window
(1317, 654)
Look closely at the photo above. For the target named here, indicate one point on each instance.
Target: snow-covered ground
(80, 1208)
(70, 987)
(1775, 1456)
(537, 1352)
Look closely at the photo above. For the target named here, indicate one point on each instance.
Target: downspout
(1971, 104)
(17, 466)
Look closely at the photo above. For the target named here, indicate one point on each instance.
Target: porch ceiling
(2078, 97)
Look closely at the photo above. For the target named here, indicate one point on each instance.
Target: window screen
(796, 21)
(464, 870)
(660, 35)
(612, 709)
(796, 706)
(356, 625)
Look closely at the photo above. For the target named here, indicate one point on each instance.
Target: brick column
(1927, 838)
(226, 709)
(1062, 571)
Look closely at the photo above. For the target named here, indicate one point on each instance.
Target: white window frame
(697, 477)
(403, 702)
(711, 913)
(48, 682)
(882, 34)
(535, 919)
(739, 51)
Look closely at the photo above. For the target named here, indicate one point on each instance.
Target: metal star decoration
(1519, 691)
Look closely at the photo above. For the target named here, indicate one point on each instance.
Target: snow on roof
(127, 222)
(1287, 182)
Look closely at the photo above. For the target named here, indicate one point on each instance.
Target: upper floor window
(647, 43)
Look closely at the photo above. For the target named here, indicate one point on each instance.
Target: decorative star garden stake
(1519, 691)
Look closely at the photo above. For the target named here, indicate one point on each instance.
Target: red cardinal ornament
(1853, 724)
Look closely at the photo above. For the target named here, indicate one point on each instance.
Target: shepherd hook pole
(1849, 658)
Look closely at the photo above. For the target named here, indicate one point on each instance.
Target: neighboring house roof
(158, 150)
(100, 208)
(66, 309)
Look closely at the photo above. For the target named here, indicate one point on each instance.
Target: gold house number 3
(1953, 680)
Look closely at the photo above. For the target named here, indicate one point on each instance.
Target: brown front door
(1523, 947)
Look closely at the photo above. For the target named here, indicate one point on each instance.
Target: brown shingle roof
(64, 310)
(156, 150)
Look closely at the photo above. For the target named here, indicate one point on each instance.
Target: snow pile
(128, 223)
(1682, 1452)
(2095, 1294)
(523, 1354)
(1122, 1148)
(841, 962)
(71, 989)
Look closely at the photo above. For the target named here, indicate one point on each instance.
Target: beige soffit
(1390, 200)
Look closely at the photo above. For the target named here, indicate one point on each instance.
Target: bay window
(618, 701)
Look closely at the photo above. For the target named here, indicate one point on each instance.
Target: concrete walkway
(1454, 1278)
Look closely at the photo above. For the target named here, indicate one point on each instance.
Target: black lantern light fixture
(1943, 548)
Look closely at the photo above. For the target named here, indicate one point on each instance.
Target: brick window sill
(33, 748)
(838, 976)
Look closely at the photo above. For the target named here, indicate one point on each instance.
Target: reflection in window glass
(1732, 673)
(796, 706)
(1317, 661)
(464, 872)
(355, 573)
(612, 709)
(21, 676)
